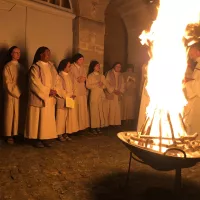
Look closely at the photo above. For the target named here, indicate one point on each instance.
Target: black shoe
(39, 144)
(93, 131)
(46, 143)
(98, 130)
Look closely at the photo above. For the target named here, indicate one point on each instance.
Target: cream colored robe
(67, 118)
(144, 99)
(81, 96)
(113, 106)
(192, 110)
(14, 84)
(129, 98)
(97, 99)
(41, 120)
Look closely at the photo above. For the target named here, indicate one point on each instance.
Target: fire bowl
(158, 161)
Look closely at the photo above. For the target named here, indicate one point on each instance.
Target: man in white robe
(192, 89)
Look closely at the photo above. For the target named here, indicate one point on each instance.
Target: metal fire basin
(158, 161)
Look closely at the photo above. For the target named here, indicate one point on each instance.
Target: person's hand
(117, 92)
(52, 93)
(100, 84)
(73, 96)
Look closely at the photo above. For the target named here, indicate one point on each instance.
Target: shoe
(39, 144)
(99, 130)
(46, 143)
(61, 138)
(67, 137)
(10, 140)
(93, 131)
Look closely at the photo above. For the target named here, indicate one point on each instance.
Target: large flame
(167, 66)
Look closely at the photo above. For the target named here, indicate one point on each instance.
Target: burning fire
(166, 70)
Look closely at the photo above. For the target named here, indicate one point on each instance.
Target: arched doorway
(115, 43)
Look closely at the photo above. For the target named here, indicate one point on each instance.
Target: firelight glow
(167, 65)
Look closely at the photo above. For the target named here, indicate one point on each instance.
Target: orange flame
(167, 66)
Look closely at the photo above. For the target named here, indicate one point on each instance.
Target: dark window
(61, 3)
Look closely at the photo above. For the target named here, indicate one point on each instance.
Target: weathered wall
(30, 25)
(115, 38)
(89, 30)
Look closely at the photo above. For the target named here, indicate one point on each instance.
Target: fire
(166, 68)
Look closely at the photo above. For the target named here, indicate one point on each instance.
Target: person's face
(193, 53)
(97, 68)
(16, 54)
(118, 68)
(129, 70)
(68, 67)
(45, 56)
(80, 61)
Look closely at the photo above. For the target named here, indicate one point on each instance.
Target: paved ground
(86, 168)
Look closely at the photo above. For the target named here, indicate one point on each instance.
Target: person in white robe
(129, 96)
(66, 117)
(144, 99)
(43, 79)
(114, 91)
(192, 92)
(96, 83)
(14, 85)
(78, 74)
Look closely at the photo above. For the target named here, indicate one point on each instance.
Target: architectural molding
(42, 6)
(6, 5)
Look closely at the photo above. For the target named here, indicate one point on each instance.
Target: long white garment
(113, 106)
(97, 99)
(67, 118)
(144, 99)
(192, 110)
(81, 96)
(14, 83)
(129, 97)
(41, 121)
(143, 105)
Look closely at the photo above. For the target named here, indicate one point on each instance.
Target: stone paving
(87, 168)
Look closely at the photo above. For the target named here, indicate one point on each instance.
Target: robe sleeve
(193, 87)
(103, 80)
(90, 84)
(11, 87)
(36, 85)
(59, 88)
(109, 87)
(122, 88)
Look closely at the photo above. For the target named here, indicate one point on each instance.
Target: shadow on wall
(142, 186)
(3, 53)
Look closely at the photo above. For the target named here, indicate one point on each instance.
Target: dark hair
(92, 65)
(9, 56)
(76, 57)
(116, 63)
(196, 45)
(63, 64)
(39, 51)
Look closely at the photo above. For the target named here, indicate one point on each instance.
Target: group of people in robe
(191, 89)
(97, 101)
